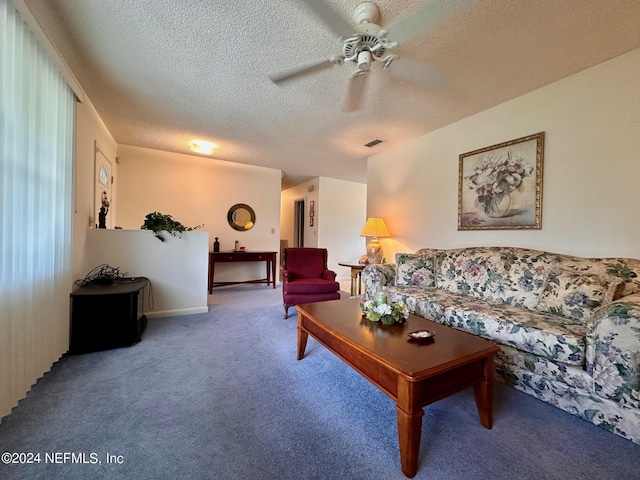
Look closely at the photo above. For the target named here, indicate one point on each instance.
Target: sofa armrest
(329, 275)
(376, 276)
(613, 350)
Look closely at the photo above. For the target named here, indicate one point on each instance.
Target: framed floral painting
(500, 187)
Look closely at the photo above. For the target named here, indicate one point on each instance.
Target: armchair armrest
(613, 350)
(329, 275)
(376, 276)
(286, 276)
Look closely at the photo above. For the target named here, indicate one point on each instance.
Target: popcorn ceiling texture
(161, 73)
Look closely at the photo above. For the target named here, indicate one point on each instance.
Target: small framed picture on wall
(311, 221)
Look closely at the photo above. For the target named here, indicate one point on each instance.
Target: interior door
(103, 168)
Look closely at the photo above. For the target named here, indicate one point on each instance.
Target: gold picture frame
(500, 187)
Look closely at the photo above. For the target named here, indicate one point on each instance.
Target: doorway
(298, 225)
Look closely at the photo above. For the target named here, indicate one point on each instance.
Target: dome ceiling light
(202, 146)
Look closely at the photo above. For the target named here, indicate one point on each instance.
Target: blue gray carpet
(221, 396)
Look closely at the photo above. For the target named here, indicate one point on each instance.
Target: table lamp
(374, 228)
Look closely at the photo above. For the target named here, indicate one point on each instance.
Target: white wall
(89, 130)
(591, 169)
(176, 268)
(340, 214)
(199, 190)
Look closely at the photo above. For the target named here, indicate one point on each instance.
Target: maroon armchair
(305, 277)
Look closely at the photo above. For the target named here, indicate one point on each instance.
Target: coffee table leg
(302, 336)
(409, 431)
(410, 415)
(483, 391)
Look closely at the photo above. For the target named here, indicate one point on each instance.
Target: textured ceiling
(163, 72)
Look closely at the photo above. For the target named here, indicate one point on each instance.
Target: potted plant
(157, 222)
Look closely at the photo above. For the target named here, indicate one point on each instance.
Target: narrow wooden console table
(268, 257)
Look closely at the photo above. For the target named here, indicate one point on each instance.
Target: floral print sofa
(568, 327)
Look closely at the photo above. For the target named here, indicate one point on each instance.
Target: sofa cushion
(514, 276)
(626, 269)
(538, 333)
(414, 269)
(575, 295)
(510, 359)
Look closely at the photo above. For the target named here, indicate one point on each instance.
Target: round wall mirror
(241, 217)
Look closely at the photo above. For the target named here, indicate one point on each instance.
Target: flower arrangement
(385, 313)
(497, 177)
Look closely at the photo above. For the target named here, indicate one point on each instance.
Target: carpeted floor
(221, 396)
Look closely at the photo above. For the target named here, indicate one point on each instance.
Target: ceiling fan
(366, 43)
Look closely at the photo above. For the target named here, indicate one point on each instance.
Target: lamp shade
(375, 227)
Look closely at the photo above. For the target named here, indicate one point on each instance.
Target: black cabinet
(107, 316)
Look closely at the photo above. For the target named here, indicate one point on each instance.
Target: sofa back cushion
(514, 276)
(575, 294)
(415, 270)
(625, 269)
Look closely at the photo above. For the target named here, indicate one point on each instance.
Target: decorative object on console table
(216, 245)
(375, 227)
(500, 187)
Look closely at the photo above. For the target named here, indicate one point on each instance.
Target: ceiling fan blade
(416, 72)
(289, 73)
(429, 14)
(355, 92)
(330, 17)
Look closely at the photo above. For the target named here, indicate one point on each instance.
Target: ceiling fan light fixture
(364, 60)
(366, 12)
(202, 146)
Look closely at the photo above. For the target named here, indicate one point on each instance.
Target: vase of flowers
(385, 313)
(494, 180)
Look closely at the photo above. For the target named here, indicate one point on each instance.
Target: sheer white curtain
(36, 149)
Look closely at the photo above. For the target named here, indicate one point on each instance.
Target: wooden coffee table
(414, 374)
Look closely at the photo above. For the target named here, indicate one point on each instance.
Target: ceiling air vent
(373, 143)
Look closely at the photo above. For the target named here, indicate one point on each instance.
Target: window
(36, 161)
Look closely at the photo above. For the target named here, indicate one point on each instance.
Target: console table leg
(273, 270)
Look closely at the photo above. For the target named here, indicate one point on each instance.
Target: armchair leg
(286, 311)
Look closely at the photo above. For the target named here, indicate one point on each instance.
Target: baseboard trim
(176, 313)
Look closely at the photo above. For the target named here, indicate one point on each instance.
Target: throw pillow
(576, 295)
(415, 270)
